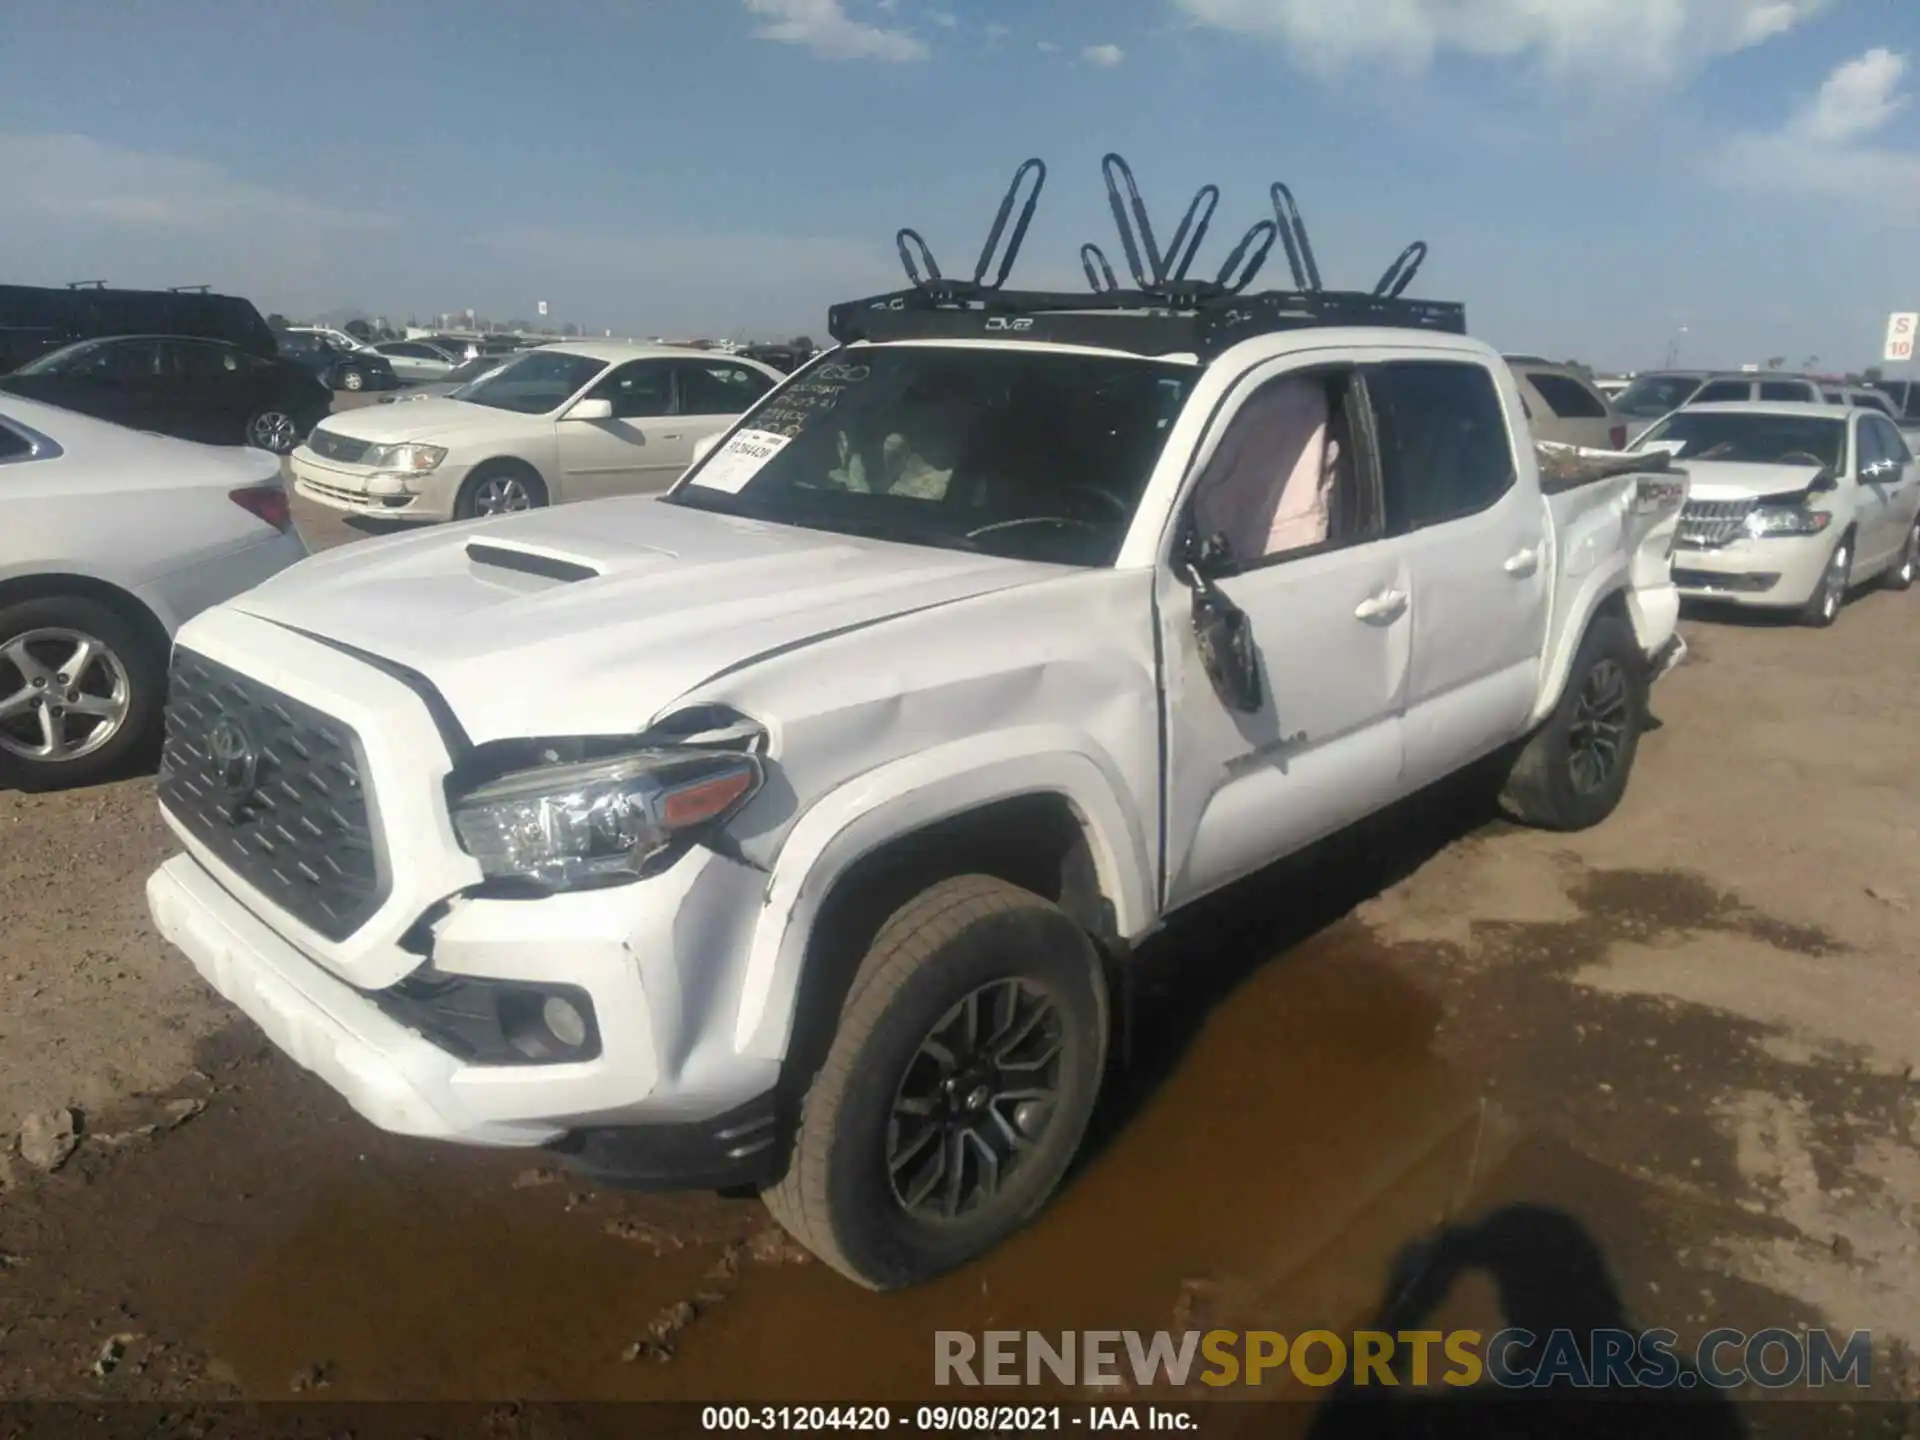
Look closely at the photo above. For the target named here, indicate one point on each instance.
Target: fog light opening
(564, 1022)
(546, 1026)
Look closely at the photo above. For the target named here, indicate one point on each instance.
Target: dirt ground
(1665, 1067)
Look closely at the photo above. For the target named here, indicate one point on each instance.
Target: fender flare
(1596, 588)
(906, 795)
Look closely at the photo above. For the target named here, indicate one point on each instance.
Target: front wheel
(1823, 608)
(1900, 575)
(1573, 771)
(273, 429)
(499, 488)
(969, 1053)
(81, 691)
(352, 380)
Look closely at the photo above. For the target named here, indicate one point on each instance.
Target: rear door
(1475, 543)
(642, 448)
(1325, 597)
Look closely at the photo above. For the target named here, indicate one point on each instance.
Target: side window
(1833, 397)
(718, 389)
(1872, 401)
(1569, 398)
(1722, 390)
(202, 362)
(1791, 390)
(639, 390)
(128, 360)
(13, 445)
(1444, 448)
(1285, 478)
(1866, 445)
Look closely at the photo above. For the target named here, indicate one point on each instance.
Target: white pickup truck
(787, 831)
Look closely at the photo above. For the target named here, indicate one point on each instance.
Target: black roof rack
(1165, 311)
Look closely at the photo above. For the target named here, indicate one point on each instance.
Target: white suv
(791, 831)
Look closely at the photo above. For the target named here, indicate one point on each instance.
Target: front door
(1289, 493)
(642, 448)
(1883, 477)
(1476, 544)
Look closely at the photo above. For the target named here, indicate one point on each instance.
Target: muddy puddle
(1290, 1132)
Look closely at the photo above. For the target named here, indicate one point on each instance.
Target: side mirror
(703, 447)
(1220, 628)
(590, 410)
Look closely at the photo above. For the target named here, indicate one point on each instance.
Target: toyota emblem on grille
(236, 763)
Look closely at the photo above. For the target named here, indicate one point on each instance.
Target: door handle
(1522, 563)
(674, 436)
(1387, 605)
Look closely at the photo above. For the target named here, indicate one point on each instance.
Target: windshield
(1751, 439)
(62, 361)
(1033, 455)
(532, 383)
(1655, 395)
(473, 369)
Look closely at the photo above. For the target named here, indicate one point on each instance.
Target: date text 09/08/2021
(947, 1419)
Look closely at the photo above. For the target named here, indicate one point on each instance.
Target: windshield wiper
(883, 529)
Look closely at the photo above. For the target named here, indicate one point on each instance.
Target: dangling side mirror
(1220, 628)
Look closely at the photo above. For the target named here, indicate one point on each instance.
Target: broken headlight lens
(600, 821)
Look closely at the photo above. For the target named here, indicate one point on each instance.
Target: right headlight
(1765, 520)
(600, 821)
(416, 459)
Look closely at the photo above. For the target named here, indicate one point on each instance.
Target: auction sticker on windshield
(734, 464)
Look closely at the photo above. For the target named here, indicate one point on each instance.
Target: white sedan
(1791, 506)
(110, 539)
(577, 421)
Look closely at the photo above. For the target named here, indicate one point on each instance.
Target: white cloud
(945, 19)
(1045, 47)
(1857, 99)
(996, 29)
(1826, 145)
(1628, 43)
(1103, 57)
(825, 28)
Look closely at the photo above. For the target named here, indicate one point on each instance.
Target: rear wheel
(352, 380)
(969, 1053)
(500, 487)
(1900, 575)
(1573, 771)
(1830, 594)
(81, 691)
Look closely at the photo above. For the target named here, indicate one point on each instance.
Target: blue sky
(1591, 174)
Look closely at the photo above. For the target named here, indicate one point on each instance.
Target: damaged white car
(788, 832)
(1791, 506)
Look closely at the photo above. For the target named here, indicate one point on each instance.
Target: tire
(273, 428)
(854, 1201)
(1900, 575)
(1823, 608)
(499, 487)
(126, 680)
(352, 380)
(1554, 783)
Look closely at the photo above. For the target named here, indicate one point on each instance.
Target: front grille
(343, 448)
(277, 791)
(1705, 524)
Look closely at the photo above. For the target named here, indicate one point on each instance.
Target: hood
(418, 420)
(591, 619)
(1729, 480)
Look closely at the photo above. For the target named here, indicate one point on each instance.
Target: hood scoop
(534, 564)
